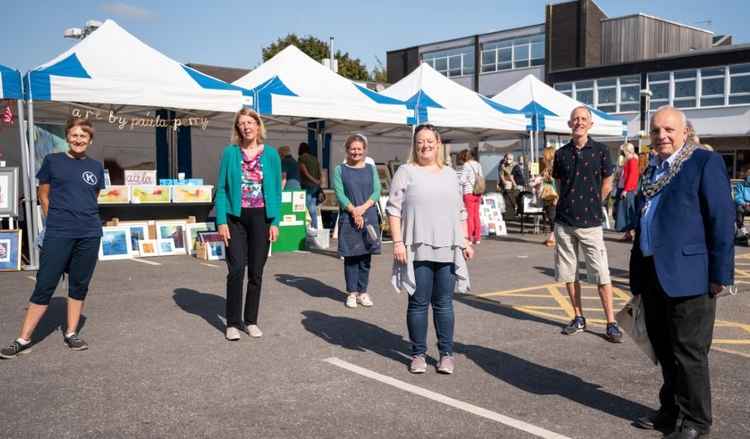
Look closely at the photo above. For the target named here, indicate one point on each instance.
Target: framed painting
(10, 250)
(192, 194)
(191, 233)
(138, 232)
(114, 195)
(216, 251)
(150, 194)
(165, 247)
(174, 230)
(148, 248)
(9, 191)
(116, 243)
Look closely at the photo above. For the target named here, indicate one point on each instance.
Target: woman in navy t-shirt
(69, 184)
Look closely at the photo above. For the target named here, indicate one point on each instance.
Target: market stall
(122, 84)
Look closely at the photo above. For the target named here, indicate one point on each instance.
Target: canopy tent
(10, 83)
(112, 70)
(549, 110)
(294, 89)
(111, 66)
(447, 104)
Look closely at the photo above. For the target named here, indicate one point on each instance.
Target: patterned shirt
(252, 181)
(581, 172)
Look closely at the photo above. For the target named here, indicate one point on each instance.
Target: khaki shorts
(591, 240)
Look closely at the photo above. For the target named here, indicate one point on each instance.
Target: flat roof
(417, 46)
(640, 14)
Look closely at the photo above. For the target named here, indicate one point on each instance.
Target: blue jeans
(357, 273)
(312, 206)
(435, 284)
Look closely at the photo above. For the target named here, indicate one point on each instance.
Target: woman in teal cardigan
(248, 204)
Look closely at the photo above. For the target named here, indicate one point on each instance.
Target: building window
(685, 89)
(658, 83)
(630, 94)
(606, 91)
(565, 88)
(712, 87)
(453, 62)
(584, 92)
(513, 54)
(739, 84)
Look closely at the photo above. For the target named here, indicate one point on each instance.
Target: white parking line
(479, 411)
(145, 261)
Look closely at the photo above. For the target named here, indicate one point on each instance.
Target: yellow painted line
(541, 313)
(209, 265)
(562, 301)
(731, 341)
(518, 290)
(742, 272)
(729, 351)
(542, 308)
(543, 296)
(732, 324)
(31, 277)
(620, 294)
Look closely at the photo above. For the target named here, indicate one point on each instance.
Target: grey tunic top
(432, 213)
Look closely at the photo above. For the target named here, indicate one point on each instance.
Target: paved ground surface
(159, 366)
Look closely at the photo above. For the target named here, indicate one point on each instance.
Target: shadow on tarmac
(357, 335)
(312, 287)
(56, 318)
(496, 307)
(208, 306)
(541, 380)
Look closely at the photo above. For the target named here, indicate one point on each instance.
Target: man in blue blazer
(682, 257)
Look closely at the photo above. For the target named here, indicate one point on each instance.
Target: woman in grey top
(428, 224)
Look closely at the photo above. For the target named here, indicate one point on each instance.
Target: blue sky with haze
(232, 33)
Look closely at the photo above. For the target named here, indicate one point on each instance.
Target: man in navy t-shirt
(69, 185)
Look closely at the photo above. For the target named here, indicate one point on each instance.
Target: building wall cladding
(561, 36)
(592, 33)
(400, 63)
(638, 37)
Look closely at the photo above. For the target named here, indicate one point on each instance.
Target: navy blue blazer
(693, 239)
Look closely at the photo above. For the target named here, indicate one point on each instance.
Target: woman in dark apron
(358, 190)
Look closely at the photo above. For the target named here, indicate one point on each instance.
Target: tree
(317, 49)
(379, 74)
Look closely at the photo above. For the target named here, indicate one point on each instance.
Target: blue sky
(232, 33)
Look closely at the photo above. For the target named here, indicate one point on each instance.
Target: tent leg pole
(35, 226)
(25, 172)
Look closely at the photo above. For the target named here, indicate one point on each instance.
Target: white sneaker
(254, 331)
(233, 334)
(351, 300)
(364, 300)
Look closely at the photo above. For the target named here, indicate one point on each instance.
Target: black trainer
(14, 349)
(75, 343)
(613, 335)
(575, 326)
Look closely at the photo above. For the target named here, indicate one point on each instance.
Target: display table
(155, 211)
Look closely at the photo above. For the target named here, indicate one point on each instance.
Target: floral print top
(252, 181)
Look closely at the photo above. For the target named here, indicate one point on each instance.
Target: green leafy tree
(317, 49)
(379, 74)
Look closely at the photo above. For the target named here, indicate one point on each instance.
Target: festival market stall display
(116, 80)
(11, 186)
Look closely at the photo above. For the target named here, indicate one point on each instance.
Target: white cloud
(129, 11)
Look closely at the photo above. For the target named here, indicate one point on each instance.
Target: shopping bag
(632, 320)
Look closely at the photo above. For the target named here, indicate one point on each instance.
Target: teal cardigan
(229, 184)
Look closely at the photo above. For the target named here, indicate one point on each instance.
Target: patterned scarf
(650, 188)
